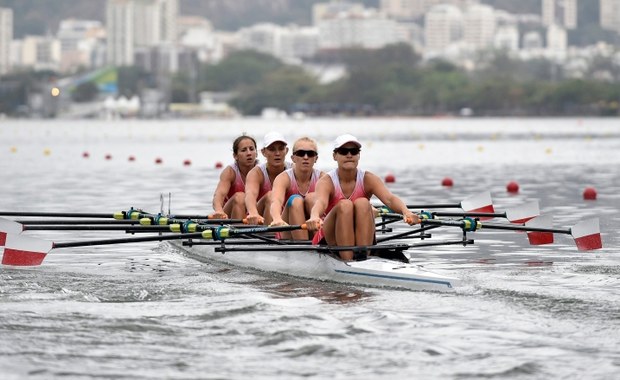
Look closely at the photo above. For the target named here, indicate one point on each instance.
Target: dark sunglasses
(344, 151)
(303, 153)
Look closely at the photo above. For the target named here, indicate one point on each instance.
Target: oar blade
(587, 235)
(538, 237)
(479, 203)
(20, 250)
(10, 226)
(523, 213)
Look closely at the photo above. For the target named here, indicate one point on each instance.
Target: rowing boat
(319, 264)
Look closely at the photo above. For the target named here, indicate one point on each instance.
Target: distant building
(610, 15)
(479, 25)
(287, 43)
(6, 36)
(140, 26)
(556, 40)
(39, 53)
(532, 41)
(507, 38)
(80, 44)
(443, 26)
(345, 25)
(560, 12)
(410, 9)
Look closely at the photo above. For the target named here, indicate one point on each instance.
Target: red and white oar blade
(587, 235)
(23, 250)
(523, 213)
(537, 237)
(10, 226)
(479, 203)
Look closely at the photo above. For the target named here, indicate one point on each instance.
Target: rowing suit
(294, 188)
(358, 192)
(238, 185)
(267, 185)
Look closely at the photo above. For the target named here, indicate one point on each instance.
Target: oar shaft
(76, 221)
(525, 228)
(57, 214)
(86, 243)
(128, 228)
(470, 214)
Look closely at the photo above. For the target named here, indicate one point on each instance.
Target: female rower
(229, 197)
(258, 195)
(343, 197)
(293, 189)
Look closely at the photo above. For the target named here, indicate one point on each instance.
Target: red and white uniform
(267, 185)
(238, 185)
(294, 188)
(358, 192)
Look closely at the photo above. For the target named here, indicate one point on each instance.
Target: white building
(560, 12)
(532, 41)
(410, 9)
(290, 43)
(556, 41)
(40, 53)
(610, 15)
(479, 26)
(298, 43)
(80, 44)
(343, 26)
(507, 38)
(6, 36)
(142, 25)
(443, 27)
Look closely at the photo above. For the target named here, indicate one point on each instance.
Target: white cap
(343, 139)
(272, 137)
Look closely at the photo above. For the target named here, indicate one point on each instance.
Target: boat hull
(375, 272)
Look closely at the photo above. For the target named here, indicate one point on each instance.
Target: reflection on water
(146, 311)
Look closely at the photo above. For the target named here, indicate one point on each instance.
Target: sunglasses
(344, 151)
(303, 153)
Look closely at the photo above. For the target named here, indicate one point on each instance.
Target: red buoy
(131, 158)
(389, 178)
(108, 156)
(218, 165)
(589, 194)
(85, 155)
(447, 182)
(187, 163)
(158, 160)
(512, 187)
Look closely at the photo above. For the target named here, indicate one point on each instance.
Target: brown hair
(238, 141)
(305, 139)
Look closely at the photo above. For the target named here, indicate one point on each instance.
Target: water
(146, 311)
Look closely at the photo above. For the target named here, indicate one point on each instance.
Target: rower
(342, 213)
(293, 190)
(258, 195)
(229, 196)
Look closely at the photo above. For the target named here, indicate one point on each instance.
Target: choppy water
(146, 311)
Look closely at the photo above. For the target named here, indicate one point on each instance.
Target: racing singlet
(267, 185)
(294, 188)
(238, 185)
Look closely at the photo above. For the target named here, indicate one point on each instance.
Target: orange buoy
(512, 187)
(447, 182)
(218, 165)
(158, 160)
(589, 193)
(389, 178)
(187, 162)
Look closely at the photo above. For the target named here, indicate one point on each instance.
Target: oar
(476, 203)
(22, 250)
(586, 233)
(517, 215)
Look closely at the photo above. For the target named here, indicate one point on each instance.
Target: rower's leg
(296, 215)
(364, 222)
(339, 227)
(236, 206)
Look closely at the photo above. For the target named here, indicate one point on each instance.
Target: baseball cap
(272, 137)
(347, 138)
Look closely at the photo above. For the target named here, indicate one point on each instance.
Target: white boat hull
(374, 271)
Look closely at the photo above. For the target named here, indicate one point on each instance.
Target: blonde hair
(305, 139)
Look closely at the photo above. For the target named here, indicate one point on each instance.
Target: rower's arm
(278, 192)
(374, 185)
(252, 187)
(323, 189)
(227, 178)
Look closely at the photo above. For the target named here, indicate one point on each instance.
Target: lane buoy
(589, 193)
(218, 165)
(158, 160)
(447, 182)
(187, 163)
(512, 187)
(85, 154)
(131, 158)
(389, 178)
